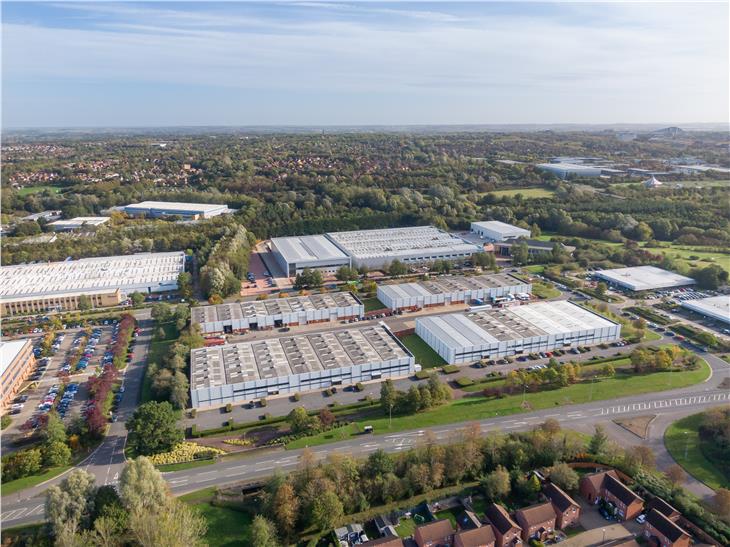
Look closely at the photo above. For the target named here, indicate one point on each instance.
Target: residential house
(664, 508)
(385, 541)
(537, 521)
(476, 537)
(567, 510)
(660, 531)
(605, 485)
(434, 534)
(468, 521)
(506, 531)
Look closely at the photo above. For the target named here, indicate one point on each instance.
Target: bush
(450, 369)
(229, 408)
(359, 386)
(185, 452)
(464, 381)
(193, 412)
(263, 401)
(423, 374)
(296, 397)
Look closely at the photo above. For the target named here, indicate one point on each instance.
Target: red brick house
(434, 534)
(664, 508)
(537, 521)
(605, 485)
(388, 541)
(660, 531)
(506, 531)
(567, 510)
(476, 537)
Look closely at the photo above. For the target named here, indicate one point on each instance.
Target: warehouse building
(56, 286)
(448, 290)
(715, 307)
(161, 209)
(643, 278)
(534, 246)
(294, 254)
(281, 312)
(77, 223)
(16, 363)
(494, 230)
(375, 249)
(496, 333)
(277, 366)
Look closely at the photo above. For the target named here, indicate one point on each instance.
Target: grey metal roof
(307, 248)
(450, 284)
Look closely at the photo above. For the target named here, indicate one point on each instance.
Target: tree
(179, 389)
(710, 277)
(161, 312)
(299, 420)
(153, 429)
(137, 299)
(56, 454)
(308, 278)
(185, 285)
(327, 510)
(70, 504)
(675, 474)
(173, 524)
(285, 509)
(608, 371)
(484, 260)
(601, 289)
(520, 253)
(21, 464)
(598, 442)
(263, 532)
(388, 396)
(55, 431)
(84, 302)
(397, 269)
(564, 476)
(345, 273)
(182, 315)
(141, 486)
(496, 484)
(326, 418)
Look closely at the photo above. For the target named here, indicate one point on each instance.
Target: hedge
(464, 381)
(450, 369)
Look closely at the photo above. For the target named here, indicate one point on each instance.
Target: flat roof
(307, 248)
(717, 307)
(501, 227)
(396, 242)
(644, 278)
(274, 306)
(450, 284)
(304, 353)
(9, 351)
(90, 274)
(176, 206)
(514, 323)
(79, 221)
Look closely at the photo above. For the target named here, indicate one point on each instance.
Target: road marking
(666, 403)
(37, 509)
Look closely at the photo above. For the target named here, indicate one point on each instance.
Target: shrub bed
(450, 369)
(186, 452)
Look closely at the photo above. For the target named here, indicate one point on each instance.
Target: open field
(527, 193)
(227, 527)
(479, 408)
(544, 290)
(683, 443)
(28, 190)
(372, 304)
(686, 253)
(424, 354)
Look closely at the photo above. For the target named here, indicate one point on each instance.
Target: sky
(105, 64)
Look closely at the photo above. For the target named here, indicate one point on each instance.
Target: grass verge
(157, 354)
(166, 468)
(424, 354)
(372, 304)
(11, 487)
(227, 526)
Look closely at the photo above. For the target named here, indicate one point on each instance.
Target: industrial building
(495, 230)
(447, 290)
(77, 223)
(565, 170)
(190, 211)
(377, 248)
(496, 333)
(294, 254)
(715, 307)
(16, 363)
(276, 366)
(643, 278)
(534, 246)
(279, 312)
(35, 288)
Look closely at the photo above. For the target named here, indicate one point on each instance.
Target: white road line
(37, 509)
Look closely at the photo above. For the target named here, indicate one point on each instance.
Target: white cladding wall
(301, 317)
(326, 265)
(245, 391)
(545, 342)
(395, 302)
(415, 257)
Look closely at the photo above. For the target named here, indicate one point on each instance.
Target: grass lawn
(158, 352)
(536, 268)
(544, 290)
(372, 304)
(227, 527)
(28, 190)
(184, 465)
(479, 408)
(406, 528)
(425, 355)
(527, 193)
(11, 487)
(682, 438)
(683, 253)
(199, 496)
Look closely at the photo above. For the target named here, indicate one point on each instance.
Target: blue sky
(321, 63)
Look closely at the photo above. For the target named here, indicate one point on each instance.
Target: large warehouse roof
(91, 274)
(502, 229)
(190, 208)
(717, 307)
(400, 242)
(514, 323)
(307, 248)
(280, 357)
(644, 278)
(450, 284)
(78, 222)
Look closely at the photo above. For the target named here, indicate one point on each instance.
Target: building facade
(567, 510)
(494, 230)
(59, 302)
(161, 209)
(317, 252)
(537, 521)
(606, 486)
(16, 361)
(662, 531)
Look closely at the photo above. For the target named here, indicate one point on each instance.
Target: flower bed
(186, 452)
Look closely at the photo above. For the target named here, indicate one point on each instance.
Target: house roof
(559, 497)
(596, 479)
(388, 541)
(620, 490)
(434, 531)
(662, 506)
(499, 518)
(476, 536)
(665, 526)
(535, 514)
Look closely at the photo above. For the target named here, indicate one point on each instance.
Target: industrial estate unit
(240, 372)
(281, 312)
(716, 307)
(16, 362)
(77, 223)
(36, 288)
(294, 254)
(191, 211)
(447, 290)
(496, 333)
(644, 278)
(495, 230)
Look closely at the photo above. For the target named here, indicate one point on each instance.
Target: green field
(682, 438)
(28, 190)
(227, 527)
(11, 487)
(478, 408)
(424, 354)
(527, 193)
(683, 253)
(544, 290)
(372, 304)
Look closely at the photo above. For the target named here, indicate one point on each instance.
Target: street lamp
(686, 444)
(604, 536)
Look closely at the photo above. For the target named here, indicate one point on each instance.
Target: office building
(189, 211)
(77, 223)
(534, 246)
(494, 230)
(294, 254)
(16, 363)
(715, 307)
(250, 370)
(643, 278)
(495, 333)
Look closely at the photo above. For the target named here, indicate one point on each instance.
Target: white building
(492, 334)
(716, 307)
(77, 223)
(563, 170)
(447, 290)
(495, 230)
(653, 182)
(643, 278)
(276, 366)
(277, 312)
(294, 254)
(193, 211)
(377, 248)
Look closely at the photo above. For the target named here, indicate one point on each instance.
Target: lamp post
(686, 444)
(604, 536)
(390, 415)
